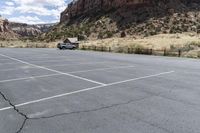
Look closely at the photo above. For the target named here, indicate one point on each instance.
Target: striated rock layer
(81, 7)
(5, 31)
(26, 30)
(4, 25)
(14, 30)
(98, 19)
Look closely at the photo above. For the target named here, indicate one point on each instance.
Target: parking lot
(64, 91)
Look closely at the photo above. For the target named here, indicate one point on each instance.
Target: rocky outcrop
(26, 30)
(14, 30)
(4, 25)
(96, 19)
(79, 7)
(5, 32)
(85, 7)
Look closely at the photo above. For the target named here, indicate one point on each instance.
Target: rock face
(26, 30)
(4, 25)
(79, 7)
(5, 31)
(97, 19)
(14, 30)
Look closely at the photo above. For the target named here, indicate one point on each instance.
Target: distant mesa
(26, 30)
(15, 30)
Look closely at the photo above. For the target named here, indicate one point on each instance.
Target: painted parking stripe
(33, 77)
(102, 69)
(73, 72)
(61, 60)
(54, 65)
(52, 70)
(88, 63)
(87, 89)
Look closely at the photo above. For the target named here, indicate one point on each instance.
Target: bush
(109, 34)
(123, 34)
(82, 37)
(198, 54)
(101, 35)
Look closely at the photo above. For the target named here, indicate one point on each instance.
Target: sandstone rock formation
(97, 19)
(14, 30)
(79, 7)
(3, 25)
(5, 32)
(26, 30)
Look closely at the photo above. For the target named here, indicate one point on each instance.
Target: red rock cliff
(79, 7)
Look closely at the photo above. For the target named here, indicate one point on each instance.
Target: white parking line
(47, 57)
(48, 60)
(54, 65)
(50, 75)
(52, 70)
(88, 63)
(87, 89)
(102, 69)
(22, 68)
(35, 61)
(9, 63)
(33, 77)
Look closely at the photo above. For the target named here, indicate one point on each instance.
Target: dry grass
(189, 43)
(27, 44)
(158, 42)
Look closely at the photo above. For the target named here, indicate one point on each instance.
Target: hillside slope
(5, 32)
(127, 19)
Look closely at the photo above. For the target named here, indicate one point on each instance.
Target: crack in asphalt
(22, 126)
(91, 110)
(17, 110)
(78, 112)
(102, 108)
(63, 114)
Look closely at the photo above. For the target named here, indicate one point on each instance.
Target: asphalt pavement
(65, 91)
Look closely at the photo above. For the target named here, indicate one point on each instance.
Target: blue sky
(33, 11)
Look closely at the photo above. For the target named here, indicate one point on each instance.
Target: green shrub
(109, 34)
(198, 54)
(101, 35)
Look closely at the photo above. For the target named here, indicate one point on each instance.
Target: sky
(32, 11)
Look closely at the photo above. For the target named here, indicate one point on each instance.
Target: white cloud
(40, 8)
(27, 19)
(41, 2)
(9, 3)
(7, 10)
